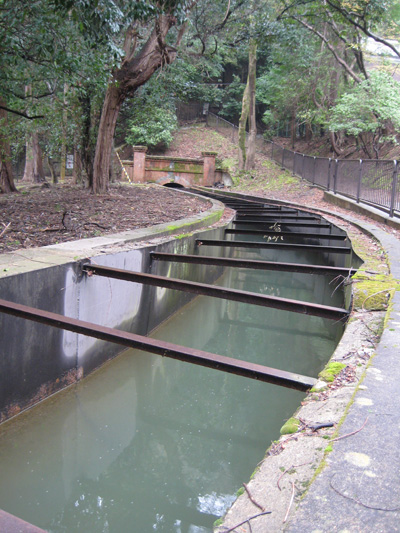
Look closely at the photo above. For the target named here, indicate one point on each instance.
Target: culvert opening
(174, 185)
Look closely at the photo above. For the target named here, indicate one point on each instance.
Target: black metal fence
(374, 182)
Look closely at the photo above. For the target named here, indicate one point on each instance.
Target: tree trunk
(135, 70)
(242, 127)
(53, 173)
(33, 171)
(251, 143)
(293, 128)
(63, 157)
(28, 170)
(38, 172)
(334, 145)
(6, 173)
(101, 168)
(308, 133)
(86, 151)
(77, 171)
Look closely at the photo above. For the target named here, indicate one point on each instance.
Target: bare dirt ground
(39, 216)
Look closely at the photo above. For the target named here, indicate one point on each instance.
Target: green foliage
(370, 111)
(368, 106)
(298, 81)
(151, 125)
(232, 100)
(187, 79)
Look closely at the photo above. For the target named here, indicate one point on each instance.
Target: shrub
(151, 126)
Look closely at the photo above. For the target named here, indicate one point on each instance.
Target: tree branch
(20, 114)
(345, 14)
(343, 63)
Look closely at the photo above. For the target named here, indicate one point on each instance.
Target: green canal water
(148, 444)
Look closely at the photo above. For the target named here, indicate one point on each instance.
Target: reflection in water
(152, 444)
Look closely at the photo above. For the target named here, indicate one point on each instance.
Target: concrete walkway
(359, 489)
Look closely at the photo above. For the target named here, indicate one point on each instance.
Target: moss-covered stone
(331, 370)
(291, 426)
(372, 292)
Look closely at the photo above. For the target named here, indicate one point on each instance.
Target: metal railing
(374, 182)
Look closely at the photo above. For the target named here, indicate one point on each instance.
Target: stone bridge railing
(186, 172)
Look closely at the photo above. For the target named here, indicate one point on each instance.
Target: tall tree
(248, 114)
(136, 68)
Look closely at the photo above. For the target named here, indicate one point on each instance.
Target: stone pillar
(139, 160)
(209, 168)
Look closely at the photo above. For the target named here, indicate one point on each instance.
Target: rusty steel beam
(326, 236)
(270, 223)
(166, 349)
(253, 264)
(284, 304)
(253, 209)
(281, 245)
(262, 211)
(277, 217)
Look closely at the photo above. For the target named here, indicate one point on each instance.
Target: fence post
(272, 150)
(335, 177)
(359, 181)
(328, 184)
(302, 167)
(394, 187)
(313, 172)
(283, 157)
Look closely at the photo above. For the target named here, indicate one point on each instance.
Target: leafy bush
(151, 126)
(369, 108)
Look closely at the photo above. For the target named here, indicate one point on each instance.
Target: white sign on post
(70, 162)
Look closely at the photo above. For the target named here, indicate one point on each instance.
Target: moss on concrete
(372, 295)
(291, 426)
(331, 370)
(372, 291)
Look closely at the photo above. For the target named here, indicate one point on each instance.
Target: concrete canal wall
(37, 360)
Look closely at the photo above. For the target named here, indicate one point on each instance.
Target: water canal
(152, 444)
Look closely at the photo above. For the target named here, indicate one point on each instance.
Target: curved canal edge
(284, 468)
(316, 478)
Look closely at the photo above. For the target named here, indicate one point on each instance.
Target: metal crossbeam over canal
(282, 245)
(269, 217)
(275, 302)
(297, 234)
(253, 264)
(271, 223)
(167, 349)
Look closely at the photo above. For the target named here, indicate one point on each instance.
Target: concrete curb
(362, 209)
